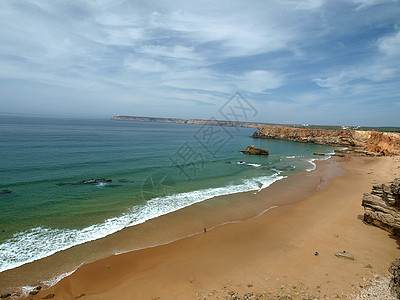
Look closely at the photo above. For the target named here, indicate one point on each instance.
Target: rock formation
(365, 142)
(252, 150)
(394, 269)
(382, 206)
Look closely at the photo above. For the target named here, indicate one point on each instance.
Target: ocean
(78, 180)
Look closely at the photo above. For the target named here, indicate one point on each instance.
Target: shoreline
(163, 230)
(155, 256)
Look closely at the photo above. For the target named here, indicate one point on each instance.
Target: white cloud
(259, 81)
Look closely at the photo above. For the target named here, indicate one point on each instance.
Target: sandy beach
(268, 256)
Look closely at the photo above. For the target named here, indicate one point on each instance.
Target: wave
(248, 164)
(41, 242)
(311, 161)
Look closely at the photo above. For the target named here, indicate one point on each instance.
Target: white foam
(40, 242)
(291, 156)
(248, 164)
(311, 161)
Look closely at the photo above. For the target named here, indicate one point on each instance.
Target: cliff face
(384, 143)
(189, 121)
(382, 206)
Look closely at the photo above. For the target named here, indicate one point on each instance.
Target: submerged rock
(319, 153)
(252, 150)
(3, 192)
(90, 181)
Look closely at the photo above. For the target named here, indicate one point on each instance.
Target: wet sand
(272, 254)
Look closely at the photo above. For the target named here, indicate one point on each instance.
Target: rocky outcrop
(3, 192)
(382, 206)
(252, 150)
(90, 181)
(384, 143)
(394, 269)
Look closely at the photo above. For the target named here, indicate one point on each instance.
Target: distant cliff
(189, 121)
(384, 143)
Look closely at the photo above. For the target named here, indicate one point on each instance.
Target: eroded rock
(252, 150)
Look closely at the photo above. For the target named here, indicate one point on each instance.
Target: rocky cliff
(384, 143)
(189, 121)
(382, 206)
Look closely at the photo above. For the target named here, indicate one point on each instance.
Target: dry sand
(271, 255)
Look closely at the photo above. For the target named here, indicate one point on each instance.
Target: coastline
(261, 254)
(162, 230)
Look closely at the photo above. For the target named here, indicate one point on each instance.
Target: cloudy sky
(309, 61)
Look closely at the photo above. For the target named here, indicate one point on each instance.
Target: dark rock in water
(5, 296)
(49, 296)
(382, 206)
(394, 269)
(319, 153)
(344, 255)
(33, 292)
(3, 230)
(95, 181)
(252, 150)
(3, 192)
(90, 181)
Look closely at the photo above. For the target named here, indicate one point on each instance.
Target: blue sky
(311, 61)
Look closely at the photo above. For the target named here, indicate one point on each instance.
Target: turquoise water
(154, 168)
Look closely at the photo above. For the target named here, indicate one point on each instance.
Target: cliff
(189, 121)
(382, 206)
(368, 142)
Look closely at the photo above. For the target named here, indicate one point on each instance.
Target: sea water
(52, 167)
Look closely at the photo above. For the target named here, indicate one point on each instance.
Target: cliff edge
(374, 142)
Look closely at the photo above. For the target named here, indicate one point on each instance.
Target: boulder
(252, 150)
(382, 206)
(3, 192)
(394, 269)
(344, 255)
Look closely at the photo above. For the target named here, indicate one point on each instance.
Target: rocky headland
(358, 141)
(189, 121)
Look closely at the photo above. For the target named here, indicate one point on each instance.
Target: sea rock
(49, 296)
(5, 296)
(3, 192)
(90, 181)
(318, 153)
(394, 269)
(252, 150)
(344, 255)
(382, 206)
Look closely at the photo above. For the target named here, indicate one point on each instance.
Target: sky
(331, 62)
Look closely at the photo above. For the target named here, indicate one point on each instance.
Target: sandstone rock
(5, 296)
(361, 142)
(318, 153)
(252, 150)
(394, 269)
(382, 206)
(49, 296)
(344, 255)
